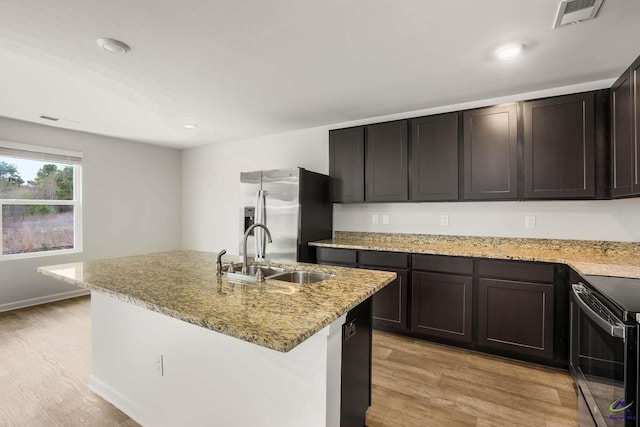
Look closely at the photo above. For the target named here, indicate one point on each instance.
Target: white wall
(211, 182)
(583, 220)
(131, 204)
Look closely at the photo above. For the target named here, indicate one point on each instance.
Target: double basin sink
(282, 274)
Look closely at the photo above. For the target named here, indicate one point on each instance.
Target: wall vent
(575, 11)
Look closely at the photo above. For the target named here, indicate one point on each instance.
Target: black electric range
(621, 292)
(604, 353)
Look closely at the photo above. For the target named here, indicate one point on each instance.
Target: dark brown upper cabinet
(559, 147)
(491, 153)
(433, 158)
(622, 159)
(346, 164)
(386, 150)
(625, 133)
(635, 79)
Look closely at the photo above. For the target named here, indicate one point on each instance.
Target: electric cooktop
(621, 291)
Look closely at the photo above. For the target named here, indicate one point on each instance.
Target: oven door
(602, 362)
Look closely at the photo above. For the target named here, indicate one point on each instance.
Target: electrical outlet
(374, 219)
(444, 220)
(530, 221)
(385, 219)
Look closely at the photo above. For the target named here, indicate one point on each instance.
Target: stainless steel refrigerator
(293, 204)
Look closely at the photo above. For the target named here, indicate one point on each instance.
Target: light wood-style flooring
(418, 383)
(45, 361)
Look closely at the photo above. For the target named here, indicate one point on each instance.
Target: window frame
(76, 202)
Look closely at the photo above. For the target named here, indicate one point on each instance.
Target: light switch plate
(385, 219)
(374, 219)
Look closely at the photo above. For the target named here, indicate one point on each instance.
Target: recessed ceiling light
(509, 51)
(113, 46)
(190, 125)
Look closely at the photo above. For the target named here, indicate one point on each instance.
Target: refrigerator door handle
(260, 238)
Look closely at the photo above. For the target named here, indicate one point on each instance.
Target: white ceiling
(244, 68)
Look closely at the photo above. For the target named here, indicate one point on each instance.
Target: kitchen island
(172, 344)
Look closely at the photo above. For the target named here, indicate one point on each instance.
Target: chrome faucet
(219, 262)
(244, 244)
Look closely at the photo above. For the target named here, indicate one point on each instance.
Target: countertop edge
(581, 267)
(280, 345)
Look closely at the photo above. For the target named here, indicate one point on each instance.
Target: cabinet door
(516, 317)
(441, 306)
(491, 153)
(390, 302)
(346, 164)
(621, 143)
(635, 92)
(386, 162)
(559, 147)
(433, 158)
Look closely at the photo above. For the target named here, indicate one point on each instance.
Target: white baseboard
(43, 300)
(118, 400)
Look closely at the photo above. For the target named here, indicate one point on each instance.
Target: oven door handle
(617, 330)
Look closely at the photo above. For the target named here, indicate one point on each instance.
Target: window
(40, 206)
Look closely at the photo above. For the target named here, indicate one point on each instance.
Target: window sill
(43, 254)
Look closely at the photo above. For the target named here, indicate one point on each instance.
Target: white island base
(162, 371)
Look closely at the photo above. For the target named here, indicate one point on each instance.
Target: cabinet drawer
(445, 264)
(517, 270)
(384, 259)
(336, 256)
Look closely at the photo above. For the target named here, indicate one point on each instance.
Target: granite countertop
(182, 284)
(587, 257)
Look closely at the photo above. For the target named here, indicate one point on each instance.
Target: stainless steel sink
(302, 276)
(267, 271)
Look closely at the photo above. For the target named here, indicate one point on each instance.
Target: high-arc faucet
(219, 262)
(244, 243)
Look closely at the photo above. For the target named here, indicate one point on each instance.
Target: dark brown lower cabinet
(390, 303)
(516, 317)
(512, 308)
(441, 306)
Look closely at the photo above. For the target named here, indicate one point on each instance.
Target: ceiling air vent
(575, 11)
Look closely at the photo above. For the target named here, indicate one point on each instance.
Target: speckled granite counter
(183, 285)
(587, 257)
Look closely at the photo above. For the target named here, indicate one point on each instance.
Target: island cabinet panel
(433, 158)
(355, 397)
(386, 165)
(622, 144)
(491, 153)
(559, 147)
(346, 164)
(515, 312)
(441, 306)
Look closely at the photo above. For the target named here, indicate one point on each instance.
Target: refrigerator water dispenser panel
(249, 218)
